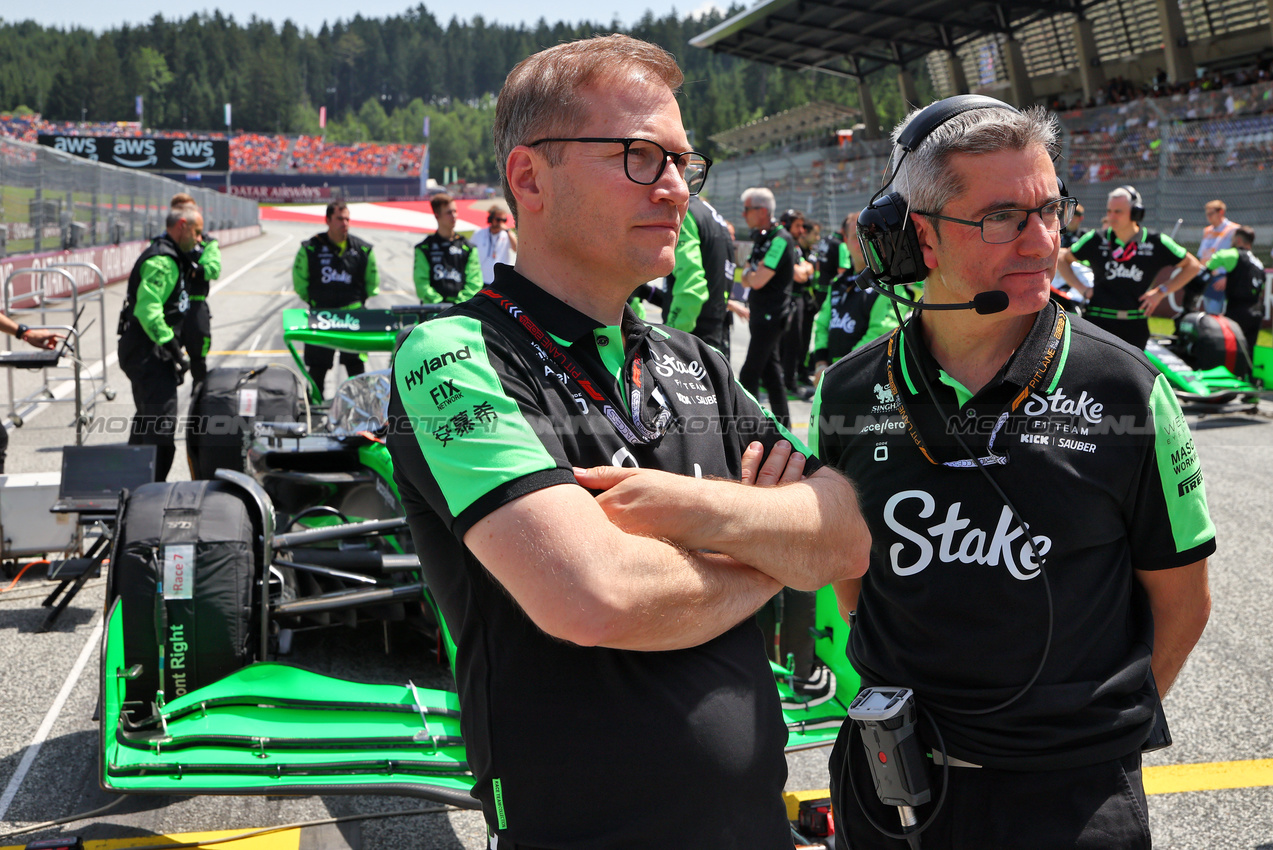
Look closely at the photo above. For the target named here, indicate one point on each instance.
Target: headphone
(790, 216)
(1138, 204)
(889, 239)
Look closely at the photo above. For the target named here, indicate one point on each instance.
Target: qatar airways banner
(145, 154)
(115, 261)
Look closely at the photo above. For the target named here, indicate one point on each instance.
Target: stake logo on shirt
(1058, 402)
(954, 540)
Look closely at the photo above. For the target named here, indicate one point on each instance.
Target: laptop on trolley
(94, 476)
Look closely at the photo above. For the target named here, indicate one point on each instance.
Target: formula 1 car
(1207, 362)
(316, 532)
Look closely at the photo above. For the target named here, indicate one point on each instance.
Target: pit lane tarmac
(1212, 789)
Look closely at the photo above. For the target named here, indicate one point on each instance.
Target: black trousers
(762, 364)
(318, 360)
(1134, 332)
(1099, 807)
(4, 446)
(154, 383)
(795, 343)
(196, 338)
(1250, 322)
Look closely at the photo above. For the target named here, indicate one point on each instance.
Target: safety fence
(52, 201)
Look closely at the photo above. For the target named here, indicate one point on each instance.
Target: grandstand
(250, 153)
(1061, 52)
(1174, 97)
(1179, 152)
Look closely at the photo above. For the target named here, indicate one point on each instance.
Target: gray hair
(541, 95)
(179, 214)
(925, 178)
(1122, 192)
(763, 198)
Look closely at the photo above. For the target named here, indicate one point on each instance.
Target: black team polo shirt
(582, 747)
(1102, 468)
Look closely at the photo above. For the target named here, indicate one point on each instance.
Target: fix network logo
(444, 394)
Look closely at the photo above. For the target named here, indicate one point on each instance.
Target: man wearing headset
(1125, 258)
(1039, 655)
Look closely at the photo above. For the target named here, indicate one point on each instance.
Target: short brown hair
(540, 97)
(182, 199)
(335, 207)
(439, 202)
(1216, 205)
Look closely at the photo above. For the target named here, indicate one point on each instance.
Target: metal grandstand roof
(855, 38)
(800, 121)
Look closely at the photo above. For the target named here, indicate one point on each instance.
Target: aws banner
(146, 153)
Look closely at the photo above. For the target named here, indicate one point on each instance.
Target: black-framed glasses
(644, 161)
(1003, 226)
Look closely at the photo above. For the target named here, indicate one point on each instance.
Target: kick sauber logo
(955, 540)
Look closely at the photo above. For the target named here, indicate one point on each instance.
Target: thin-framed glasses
(644, 161)
(1003, 226)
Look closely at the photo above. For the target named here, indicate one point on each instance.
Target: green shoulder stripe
(1175, 248)
(1226, 259)
(777, 250)
(473, 435)
(1180, 471)
(795, 441)
(815, 433)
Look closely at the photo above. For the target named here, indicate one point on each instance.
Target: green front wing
(274, 729)
(815, 723)
(1218, 383)
(357, 331)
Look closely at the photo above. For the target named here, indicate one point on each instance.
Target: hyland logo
(444, 394)
(1059, 402)
(432, 364)
(974, 546)
(667, 365)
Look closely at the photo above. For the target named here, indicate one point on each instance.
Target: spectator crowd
(249, 152)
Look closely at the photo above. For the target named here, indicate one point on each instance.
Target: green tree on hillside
(378, 77)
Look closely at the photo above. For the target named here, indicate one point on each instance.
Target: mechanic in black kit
(150, 322)
(773, 269)
(1089, 447)
(1125, 258)
(334, 270)
(614, 687)
(196, 328)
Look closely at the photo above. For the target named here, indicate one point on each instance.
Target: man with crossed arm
(591, 548)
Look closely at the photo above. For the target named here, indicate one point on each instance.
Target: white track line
(112, 359)
(33, 749)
